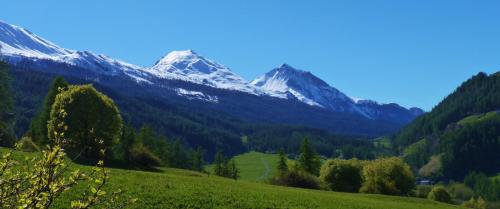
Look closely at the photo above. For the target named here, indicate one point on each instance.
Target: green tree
(86, 120)
(198, 159)
(232, 170)
(342, 175)
(219, 163)
(127, 141)
(309, 159)
(282, 163)
(476, 203)
(6, 104)
(439, 194)
(39, 124)
(390, 176)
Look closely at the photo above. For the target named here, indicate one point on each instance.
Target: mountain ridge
(181, 72)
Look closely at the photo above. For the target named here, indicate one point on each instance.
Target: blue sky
(410, 52)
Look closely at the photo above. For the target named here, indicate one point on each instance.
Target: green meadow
(176, 188)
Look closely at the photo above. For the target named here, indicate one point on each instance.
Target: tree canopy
(87, 119)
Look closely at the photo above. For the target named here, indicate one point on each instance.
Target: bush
(296, 178)
(28, 145)
(143, 157)
(342, 175)
(460, 191)
(476, 203)
(86, 120)
(389, 176)
(422, 191)
(439, 194)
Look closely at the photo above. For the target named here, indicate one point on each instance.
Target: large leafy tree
(342, 175)
(309, 159)
(6, 115)
(86, 119)
(39, 124)
(391, 176)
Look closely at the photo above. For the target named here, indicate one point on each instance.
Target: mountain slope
(455, 132)
(18, 44)
(186, 79)
(189, 66)
(288, 82)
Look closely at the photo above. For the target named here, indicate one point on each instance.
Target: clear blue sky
(405, 51)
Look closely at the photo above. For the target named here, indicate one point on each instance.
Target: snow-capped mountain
(189, 66)
(284, 94)
(17, 43)
(288, 82)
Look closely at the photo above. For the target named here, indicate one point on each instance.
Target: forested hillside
(212, 130)
(461, 132)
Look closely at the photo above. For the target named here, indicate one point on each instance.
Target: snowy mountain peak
(17, 43)
(189, 66)
(15, 40)
(186, 62)
(178, 56)
(285, 81)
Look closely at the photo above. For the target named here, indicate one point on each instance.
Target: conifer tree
(282, 164)
(219, 163)
(39, 124)
(309, 160)
(6, 102)
(198, 159)
(232, 171)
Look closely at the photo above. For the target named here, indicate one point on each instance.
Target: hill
(174, 188)
(461, 131)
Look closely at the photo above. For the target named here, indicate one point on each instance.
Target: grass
(255, 166)
(175, 188)
(479, 117)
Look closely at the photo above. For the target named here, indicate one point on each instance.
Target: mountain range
(184, 78)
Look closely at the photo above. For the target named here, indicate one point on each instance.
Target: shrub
(476, 203)
(86, 121)
(342, 175)
(28, 145)
(296, 178)
(460, 191)
(38, 182)
(390, 176)
(143, 157)
(439, 194)
(422, 191)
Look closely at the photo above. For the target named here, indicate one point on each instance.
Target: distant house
(424, 182)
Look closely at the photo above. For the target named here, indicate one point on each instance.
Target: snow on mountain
(189, 66)
(17, 43)
(196, 95)
(286, 81)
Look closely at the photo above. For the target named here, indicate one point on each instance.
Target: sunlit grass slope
(174, 188)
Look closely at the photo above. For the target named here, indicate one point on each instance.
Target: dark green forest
(462, 132)
(191, 128)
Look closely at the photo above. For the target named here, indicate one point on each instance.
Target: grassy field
(256, 166)
(174, 188)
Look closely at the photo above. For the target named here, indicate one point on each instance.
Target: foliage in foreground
(39, 182)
